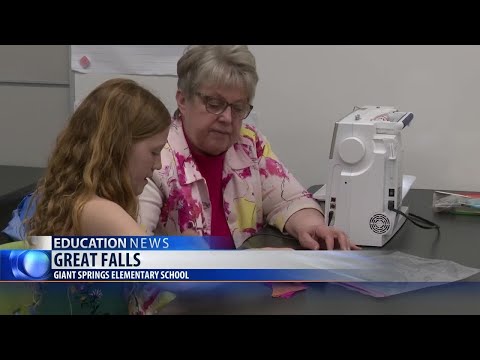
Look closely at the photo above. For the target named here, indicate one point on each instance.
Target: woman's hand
(308, 226)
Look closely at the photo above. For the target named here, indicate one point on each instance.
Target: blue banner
(113, 243)
(36, 265)
(207, 275)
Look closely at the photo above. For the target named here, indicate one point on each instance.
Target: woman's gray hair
(218, 65)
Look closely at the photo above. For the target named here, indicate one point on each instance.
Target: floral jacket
(257, 189)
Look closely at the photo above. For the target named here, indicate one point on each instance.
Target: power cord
(415, 219)
(330, 217)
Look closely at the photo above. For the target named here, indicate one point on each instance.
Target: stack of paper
(466, 203)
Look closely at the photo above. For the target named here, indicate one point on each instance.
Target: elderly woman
(220, 176)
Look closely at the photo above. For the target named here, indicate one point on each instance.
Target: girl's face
(145, 158)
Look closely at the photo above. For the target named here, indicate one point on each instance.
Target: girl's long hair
(91, 155)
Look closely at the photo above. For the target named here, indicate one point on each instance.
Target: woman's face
(145, 158)
(211, 133)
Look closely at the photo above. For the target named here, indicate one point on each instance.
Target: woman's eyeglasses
(216, 106)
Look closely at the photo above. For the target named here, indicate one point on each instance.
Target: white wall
(303, 90)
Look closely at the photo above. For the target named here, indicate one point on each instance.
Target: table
(459, 241)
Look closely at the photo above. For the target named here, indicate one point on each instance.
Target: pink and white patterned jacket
(257, 189)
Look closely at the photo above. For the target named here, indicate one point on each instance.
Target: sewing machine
(365, 175)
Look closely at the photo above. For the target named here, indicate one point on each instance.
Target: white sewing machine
(365, 175)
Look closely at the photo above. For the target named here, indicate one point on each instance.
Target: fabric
(257, 189)
(286, 290)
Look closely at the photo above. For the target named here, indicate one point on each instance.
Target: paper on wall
(126, 59)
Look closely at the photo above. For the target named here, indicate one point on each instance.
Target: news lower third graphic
(177, 259)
